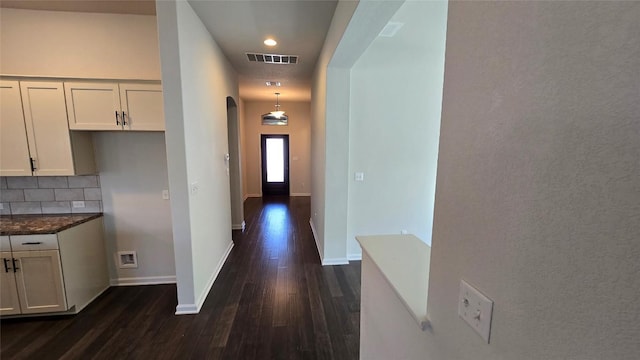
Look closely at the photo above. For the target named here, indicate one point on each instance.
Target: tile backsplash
(49, 194)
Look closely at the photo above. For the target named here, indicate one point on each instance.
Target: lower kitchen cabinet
(9, 301)
(39, 281)
(53, 273)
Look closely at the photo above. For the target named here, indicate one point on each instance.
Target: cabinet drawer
(34, 242)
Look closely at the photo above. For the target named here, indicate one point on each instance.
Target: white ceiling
(240, 26)
(137, 7)
(299, 27)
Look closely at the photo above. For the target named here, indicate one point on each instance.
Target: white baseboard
(315, 238)
(239, 226)
(185, 309)
(300, 194)
(335, 261)
(143, 280)
(354, 257)
(188, 309)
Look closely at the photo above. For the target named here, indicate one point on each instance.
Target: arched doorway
(234, 166)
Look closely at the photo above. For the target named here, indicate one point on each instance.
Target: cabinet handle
(32, 161)
(32, 243)
(15, 267)
(6, 267)
(117, 118)
(124, 118)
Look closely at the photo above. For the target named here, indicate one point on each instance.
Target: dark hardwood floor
(272, 300)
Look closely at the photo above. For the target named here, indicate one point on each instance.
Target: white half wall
(197, 79)
(78, 45)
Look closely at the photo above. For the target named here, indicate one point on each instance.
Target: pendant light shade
(276, 117)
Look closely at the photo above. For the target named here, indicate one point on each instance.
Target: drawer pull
(32, 243)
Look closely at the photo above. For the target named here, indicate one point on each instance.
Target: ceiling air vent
(272, 58)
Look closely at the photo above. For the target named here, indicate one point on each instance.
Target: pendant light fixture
(277, 113)
(276, 117)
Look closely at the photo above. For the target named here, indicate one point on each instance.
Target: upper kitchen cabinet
(51, 148)
(115, 106)
(14, 149)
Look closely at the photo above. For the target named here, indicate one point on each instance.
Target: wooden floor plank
(271, 300)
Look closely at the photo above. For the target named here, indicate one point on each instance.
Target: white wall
(537, 188)
(243, 163)
(394, 126)
(298, 130)
(235, 165)
(342, 15)
(106, 46)
(197, 79)
(80, 45)
(133, 173)
(354, 26)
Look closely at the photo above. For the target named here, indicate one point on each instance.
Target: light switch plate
(359, 176)
(475, 309)
(78, 204)
(165, 194)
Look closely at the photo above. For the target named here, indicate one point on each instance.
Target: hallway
(271, 300)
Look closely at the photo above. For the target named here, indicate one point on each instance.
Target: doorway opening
(233, 160)
(275, 164)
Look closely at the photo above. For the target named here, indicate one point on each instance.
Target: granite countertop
(41, 224)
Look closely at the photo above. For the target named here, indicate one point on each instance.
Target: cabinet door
(142, 106)
(9, 303)
(47, 128)
(39, 281)
(14, 150)
(93, 105)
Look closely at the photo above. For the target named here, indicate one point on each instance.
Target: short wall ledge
(404, 261)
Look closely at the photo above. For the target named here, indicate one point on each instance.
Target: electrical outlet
(165, 194)
(78, 204)
(404, 232)
(359, 176)
(475, 309)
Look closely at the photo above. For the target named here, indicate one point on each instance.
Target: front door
(275, 164)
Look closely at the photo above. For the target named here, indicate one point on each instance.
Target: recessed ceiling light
(270, 42)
